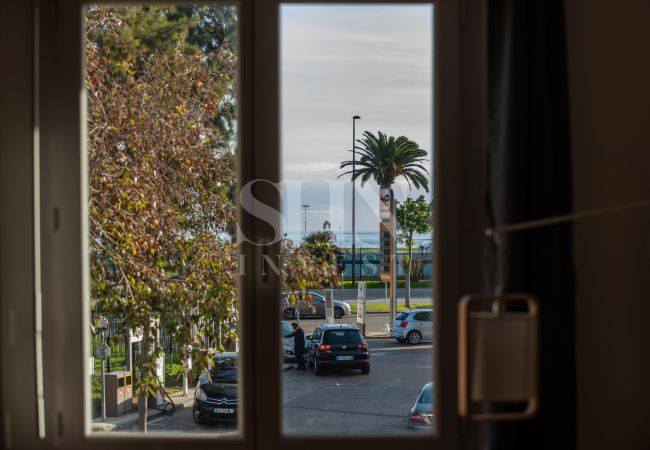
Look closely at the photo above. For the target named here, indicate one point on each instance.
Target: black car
(215, 397)
(337, 347)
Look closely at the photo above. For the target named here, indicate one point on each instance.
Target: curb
(125, 425)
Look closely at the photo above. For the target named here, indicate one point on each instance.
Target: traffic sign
(361, 303)
(103, 351)
(329, 305)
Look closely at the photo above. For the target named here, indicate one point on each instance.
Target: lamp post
(354, 231)
(305, 206)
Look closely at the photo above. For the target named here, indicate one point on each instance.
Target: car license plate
(344, 358)
(223, 410)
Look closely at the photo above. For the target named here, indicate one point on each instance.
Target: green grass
(118, 362)
(175, 378)
(377, 308)
(377, 284)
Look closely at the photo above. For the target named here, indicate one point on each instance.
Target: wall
(609, 75)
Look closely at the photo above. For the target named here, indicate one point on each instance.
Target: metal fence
(116, 337)
(368, 264)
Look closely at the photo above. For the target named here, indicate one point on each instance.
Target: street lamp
(305, 206)
(354, 231)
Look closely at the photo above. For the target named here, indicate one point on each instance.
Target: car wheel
(289, 313)
(196, 415)
(414, 337)
(365, 370)
(317, 369)
(338, 312)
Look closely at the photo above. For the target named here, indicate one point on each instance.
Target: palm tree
(384, 158)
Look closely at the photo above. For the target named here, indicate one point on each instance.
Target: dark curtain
(529, 165)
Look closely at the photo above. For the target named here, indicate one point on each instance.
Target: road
(375, 323)
(181, 421)
(418, 295)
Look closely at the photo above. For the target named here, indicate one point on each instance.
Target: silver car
(315, 307)
(287, 343)
(421, 414)
(412, 326)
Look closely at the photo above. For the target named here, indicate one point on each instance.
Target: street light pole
(305, 206)
(354, 230)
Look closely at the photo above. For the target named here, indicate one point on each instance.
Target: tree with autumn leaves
(161, 115)
(162, 103)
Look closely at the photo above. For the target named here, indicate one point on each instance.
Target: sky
(338, 61)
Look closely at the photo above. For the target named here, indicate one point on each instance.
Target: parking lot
(343, 402)
(351, 403)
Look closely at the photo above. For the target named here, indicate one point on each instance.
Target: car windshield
(225, 363)
(313, 297)
(224, 370)
(342, 337)
(286, 328)
(401, 316)
(426, 396)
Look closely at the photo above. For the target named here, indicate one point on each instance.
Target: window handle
(498, 361)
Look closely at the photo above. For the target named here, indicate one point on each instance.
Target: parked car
(413, 326)
(421, 414)
(337, 347)
(314, 307)
(215, 397)
(287, 343)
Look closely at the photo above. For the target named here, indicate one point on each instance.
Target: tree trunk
(143, 395)
(407, 296)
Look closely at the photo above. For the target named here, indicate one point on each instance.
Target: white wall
(609, 76)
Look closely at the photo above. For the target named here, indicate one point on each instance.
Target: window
(59, 125)
(342, 337)
(401, 316)
(426, 396)
(162, 146)
(371, 86)
(316, 335)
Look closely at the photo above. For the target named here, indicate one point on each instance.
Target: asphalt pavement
(349, 403)
(375, 324)
(345, 403)
(418, 295)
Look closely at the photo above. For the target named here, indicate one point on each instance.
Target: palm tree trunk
(407, 296)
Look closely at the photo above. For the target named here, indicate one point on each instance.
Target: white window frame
(57, 121)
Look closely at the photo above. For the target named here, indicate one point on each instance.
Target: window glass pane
(401, 316)
(361, 72)
(161, 89)
(341, 337)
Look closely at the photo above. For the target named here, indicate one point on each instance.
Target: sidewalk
(130, 420)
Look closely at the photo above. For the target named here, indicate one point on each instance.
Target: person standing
(298, 336)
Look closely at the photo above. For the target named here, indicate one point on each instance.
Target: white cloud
(338, 61)
(317, 170)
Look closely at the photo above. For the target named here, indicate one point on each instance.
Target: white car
(413, 326)
(421, 414)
